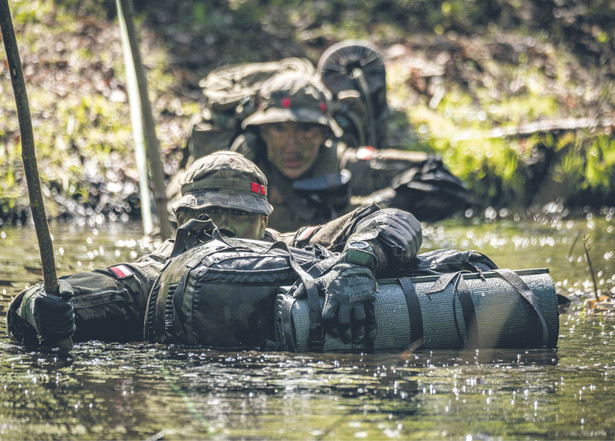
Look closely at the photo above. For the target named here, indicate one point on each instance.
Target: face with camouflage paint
(293, 147)
(228, 220)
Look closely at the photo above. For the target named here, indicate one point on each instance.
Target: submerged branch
(537, 127)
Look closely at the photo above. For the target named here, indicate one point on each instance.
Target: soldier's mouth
(293, 162)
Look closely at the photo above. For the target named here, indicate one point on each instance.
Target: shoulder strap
(286, 334)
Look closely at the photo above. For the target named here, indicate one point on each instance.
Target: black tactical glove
(51, 316)
(395, 236)
(350, 291)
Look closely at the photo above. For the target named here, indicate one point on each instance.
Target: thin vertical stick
(589, 262)
(574, 242)
(28, 155)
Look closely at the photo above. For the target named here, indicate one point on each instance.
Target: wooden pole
(28, 154)
(125, 15)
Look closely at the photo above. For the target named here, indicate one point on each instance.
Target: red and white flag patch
(121, 271)
(307, 233)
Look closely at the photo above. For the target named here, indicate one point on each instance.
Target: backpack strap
(149, 329)
(185, 237)
(284, 321)
(316, 339)
(173, 303)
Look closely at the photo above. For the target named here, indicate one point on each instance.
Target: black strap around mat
(414, 312)
(469, 314)
(517, 282)
(467, 305)
(285, 322)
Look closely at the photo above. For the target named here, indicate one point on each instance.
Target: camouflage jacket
(413, 181)
(110, 303)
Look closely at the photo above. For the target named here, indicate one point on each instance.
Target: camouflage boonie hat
(295, 97)
(224, 179)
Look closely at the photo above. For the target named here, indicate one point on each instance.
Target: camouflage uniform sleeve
(395, 236)
(109, 303)
(333, 235)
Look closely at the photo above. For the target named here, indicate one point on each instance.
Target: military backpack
(353, 72)
(221, 293)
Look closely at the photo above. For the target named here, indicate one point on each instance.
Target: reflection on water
(143, 391)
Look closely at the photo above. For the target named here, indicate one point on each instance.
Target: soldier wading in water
(320, 137)
(109, 304)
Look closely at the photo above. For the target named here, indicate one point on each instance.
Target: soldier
(291, 137)
(109, 304)
(294, 139)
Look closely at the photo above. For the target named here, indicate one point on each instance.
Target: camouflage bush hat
(296, 97)
(224, 179)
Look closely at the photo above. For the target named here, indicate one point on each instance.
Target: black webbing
(414, 311)
(467, 305)
(316, 339)
(285, 305)
(517, 282)
(469, 314)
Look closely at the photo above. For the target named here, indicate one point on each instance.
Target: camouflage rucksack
(353, 71)
(221, 293)
(230, 97)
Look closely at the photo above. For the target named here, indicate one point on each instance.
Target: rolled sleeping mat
(495, 309)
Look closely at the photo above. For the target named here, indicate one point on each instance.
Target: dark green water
(143, 391)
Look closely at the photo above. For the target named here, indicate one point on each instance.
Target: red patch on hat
(263, 190)
(256, 188)
(323, 106)
(121, 271)
(286, 102)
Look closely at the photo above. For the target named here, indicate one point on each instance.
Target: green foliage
(485, 65)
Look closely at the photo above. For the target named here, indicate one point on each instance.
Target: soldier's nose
(292, 143)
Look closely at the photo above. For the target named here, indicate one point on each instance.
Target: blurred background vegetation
(516, 95)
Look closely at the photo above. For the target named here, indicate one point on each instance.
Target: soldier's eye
(212, 211)
(277, 129)
(309, 131)
(240, 213)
